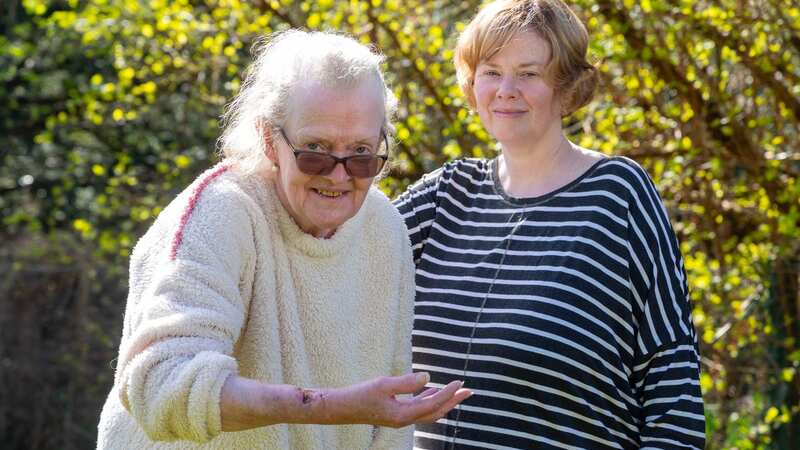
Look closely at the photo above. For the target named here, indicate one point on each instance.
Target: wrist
(321, 405)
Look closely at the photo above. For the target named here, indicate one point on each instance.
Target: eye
(315, 147)
(491, 73)
(529, 74)
(362, 149)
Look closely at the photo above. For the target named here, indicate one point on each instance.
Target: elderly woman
(549, 278)
(276, 290)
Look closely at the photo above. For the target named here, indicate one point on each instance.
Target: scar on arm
(310, 396)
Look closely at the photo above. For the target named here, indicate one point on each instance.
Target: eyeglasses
(312, 162)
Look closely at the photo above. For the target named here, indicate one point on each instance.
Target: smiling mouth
(328, 194)
(504, 112)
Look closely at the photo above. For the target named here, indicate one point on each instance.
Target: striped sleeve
(666, 362)
(417, 205)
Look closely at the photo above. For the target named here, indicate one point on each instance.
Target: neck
(533, 169)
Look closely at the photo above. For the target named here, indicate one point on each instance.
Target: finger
(460, 396)
(406, 384)
(444, 393)
(425, 406)
(427, 392)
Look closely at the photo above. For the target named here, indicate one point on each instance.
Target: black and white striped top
(578, 303)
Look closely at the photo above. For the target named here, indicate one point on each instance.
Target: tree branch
(760, 74)
(266, 6)
(421, 75)
(739, 141)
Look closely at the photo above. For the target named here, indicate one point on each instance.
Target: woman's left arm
(666, 367)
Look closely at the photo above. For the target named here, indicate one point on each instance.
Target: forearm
(672, 405)
(247, 403)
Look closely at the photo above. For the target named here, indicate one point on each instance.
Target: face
(340, 121)
(514, 101)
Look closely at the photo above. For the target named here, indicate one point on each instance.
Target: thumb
(408, 383)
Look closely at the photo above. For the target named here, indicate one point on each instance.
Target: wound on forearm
(311, 396)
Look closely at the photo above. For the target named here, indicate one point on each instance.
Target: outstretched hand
(381, 401)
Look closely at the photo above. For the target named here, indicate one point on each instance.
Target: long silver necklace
(507, 240)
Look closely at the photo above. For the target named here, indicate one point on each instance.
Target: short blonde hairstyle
(282, 62)
(569, 73)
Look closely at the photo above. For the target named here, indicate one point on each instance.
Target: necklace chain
(507, 240)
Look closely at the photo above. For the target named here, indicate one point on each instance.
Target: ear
(563, 105)
(469, 93)
(269, 142)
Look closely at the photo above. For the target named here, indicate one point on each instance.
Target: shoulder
(222, 186)
(380, 210)
(466, 171)
(625, 168)
(213, 206)
(383, 218)
(474, 168)
(468, 174)
(623, 177)
(219, 200)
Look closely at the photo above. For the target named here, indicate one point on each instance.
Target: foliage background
(109, 107)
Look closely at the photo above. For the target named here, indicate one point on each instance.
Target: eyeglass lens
(362, 166)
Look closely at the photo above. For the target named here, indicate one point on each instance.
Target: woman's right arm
(184, 315)
(417, 205)
(247, 403)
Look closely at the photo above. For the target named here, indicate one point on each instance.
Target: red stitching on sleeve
(176, 240)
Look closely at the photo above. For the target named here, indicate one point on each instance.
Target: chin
(515, 136)
(332, 224)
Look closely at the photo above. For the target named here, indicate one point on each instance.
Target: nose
(507, 88)
(338, 174)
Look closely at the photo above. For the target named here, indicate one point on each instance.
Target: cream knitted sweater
(225, 282)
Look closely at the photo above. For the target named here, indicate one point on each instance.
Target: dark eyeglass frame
(345, 161)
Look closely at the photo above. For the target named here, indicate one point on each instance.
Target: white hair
(280, 63)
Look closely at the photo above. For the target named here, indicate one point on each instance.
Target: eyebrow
(327, 142)
(525, 64)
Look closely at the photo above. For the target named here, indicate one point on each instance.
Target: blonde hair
(282, 62)
(568, 71)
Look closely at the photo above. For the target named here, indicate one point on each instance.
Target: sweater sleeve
(401, 438)
(417, 205)
(666, 368)
(181, 332)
